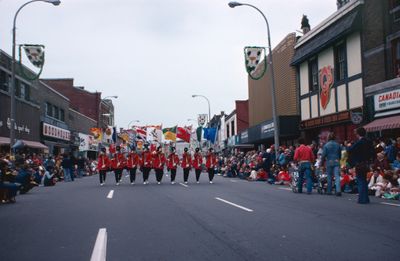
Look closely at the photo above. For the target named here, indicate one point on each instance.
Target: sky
(154, 54)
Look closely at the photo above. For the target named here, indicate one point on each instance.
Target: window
(49, 109)
(233, 127)
(227, 130)
(22, 90)
(62, 115)
(56, 112)
(340, 62)
(17, 90)
(396, 57)
(313, 74)
(27, 92)
(4, 80)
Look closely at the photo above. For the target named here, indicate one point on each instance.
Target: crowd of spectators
(26, 171)
(262, 165)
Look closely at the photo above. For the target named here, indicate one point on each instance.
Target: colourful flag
(154, 133)
(97, 134)
(183, 134)
(170, 133)
(210, 134)
(141, 133)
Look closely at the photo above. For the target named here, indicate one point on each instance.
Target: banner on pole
(255, 60)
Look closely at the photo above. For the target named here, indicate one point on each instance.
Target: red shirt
(211, 160)
(133, 160)
(159, 160)
(186, 160)
(172, 161)
(103, 162)
(304, 153)
(119, 161)
(147, 159)
(197, 160)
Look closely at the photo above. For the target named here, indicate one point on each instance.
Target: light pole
(208, 101)
(132, 122)
(274, 116)
(100, 118)
(12, 85)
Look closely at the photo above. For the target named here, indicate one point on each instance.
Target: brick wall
(242, 115)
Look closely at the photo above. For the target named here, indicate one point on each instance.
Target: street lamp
(12, 85)
(100, 118)
(208, 101)
(132, 122)
(274, 116)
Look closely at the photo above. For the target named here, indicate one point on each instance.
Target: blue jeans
(80, 173)
(67, 175)
(305, 168)
(362, 186)
(332, 168)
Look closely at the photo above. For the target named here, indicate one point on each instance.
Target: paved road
(174, 222)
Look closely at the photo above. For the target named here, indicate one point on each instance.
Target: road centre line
(100, 247)
(282, 188)
(233, 204)
(390, 204)
(184, 185)
(110, 194)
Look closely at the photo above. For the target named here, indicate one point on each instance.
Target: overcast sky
(154, 54)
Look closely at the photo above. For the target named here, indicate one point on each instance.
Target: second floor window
(4, 80)
(313, 75)
(340, 62)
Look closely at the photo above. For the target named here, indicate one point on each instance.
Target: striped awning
(383, 124)
(27, 143)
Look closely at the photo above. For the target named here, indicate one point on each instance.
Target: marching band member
(172, 163)
(132, 164)
(211, 162)
(103, 165)
(186, 164)
(147, 161)
(158, 164)
(118, 164)
(197, 163)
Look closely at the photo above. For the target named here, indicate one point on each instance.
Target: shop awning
(383, 124)
(27, 143)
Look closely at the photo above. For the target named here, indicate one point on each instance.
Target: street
(231, 219)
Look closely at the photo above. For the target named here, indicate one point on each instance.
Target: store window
(396, 57)
(313, 74)
(62, 115)
(340, 62)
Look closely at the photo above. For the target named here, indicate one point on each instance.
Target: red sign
(326, 82)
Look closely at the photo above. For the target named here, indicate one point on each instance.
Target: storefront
(56, 138)
(384, 103)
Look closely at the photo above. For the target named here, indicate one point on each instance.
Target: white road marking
(100, 247)
(110, 194)
(233, 204)
(234, 181)
(186, 186)
(390, 204)
(126, 176)
(282, 188)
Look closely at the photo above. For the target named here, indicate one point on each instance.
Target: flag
(141, 133)
(108, 134)
(170, 133)
(210, 134)
(183, 134)
(97, 134)
(198, 132)
(154, 133)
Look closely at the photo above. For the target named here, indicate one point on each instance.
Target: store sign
(244, 135)
(267, 128)
(56, 132)
(387, 100)
(326, 120)
(23, 128)
(326, 83)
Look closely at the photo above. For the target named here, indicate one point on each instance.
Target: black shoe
(338, 194)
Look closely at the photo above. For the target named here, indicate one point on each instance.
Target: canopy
(31, 144)
(383, 124)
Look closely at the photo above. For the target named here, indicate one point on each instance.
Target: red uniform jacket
(172, 161)
(103, 162)
(211, 160)
(147, 159)
(133, 160)
(158, 160)
(186, 160)
(118, 161)
(197, 160)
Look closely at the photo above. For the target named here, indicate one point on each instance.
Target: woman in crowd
(158, 164)
(211, 163)
(132, 164)
(172, 164)
(197, 163)
(103, 165)
(186, 163)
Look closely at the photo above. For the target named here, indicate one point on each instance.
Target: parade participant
(132, 164)
(305, 157)
(172, 163)
(197, 164)
(147, 160)
(186, 164)
(158, 164)
(103, 165)
(211, 162)
(360, 155)
(118, 164)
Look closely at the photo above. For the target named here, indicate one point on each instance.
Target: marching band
(157, 160)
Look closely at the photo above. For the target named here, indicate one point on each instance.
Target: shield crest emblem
(326, 83)
(255, 61)
(35, 54)
(201, 119)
